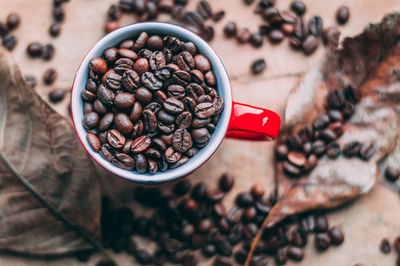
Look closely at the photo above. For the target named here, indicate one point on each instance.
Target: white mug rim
(223, 87)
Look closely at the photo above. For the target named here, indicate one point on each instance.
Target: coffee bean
(201, 137)
(243, 35)
(244, 199)
(98, 65)
(275, 36)
(342, 15)
(13, 20)
(367, 151)
(257, 190)
(392, 173)
(226, 182)
(336, 235)
(9, 41)
(298, 7)
(90, 120)
(230, 29)
(48, 52)
(291, 169)
(34, 49)
(209, 250)
(297, 158)
(124, 100)
(140, 144)
(396, 244)
(258, 66)
(124, 161)
(202, 63)
(123, 124)
(224, 247)
(93, 141)
(214, 195)
(322, 241)
(385, 246)
(281, 256)
(115, 139)
(321, 224)
(310, 44)
(352, 149)
(281, 151)
(173, 106)
(295, 253)
(204, 110)
(171, 155)
(315, 26)
(55, 29)
(49, 76)
(56, 95)
(189, 205)
(333, 150)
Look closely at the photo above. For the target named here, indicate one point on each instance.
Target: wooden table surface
(365, 222)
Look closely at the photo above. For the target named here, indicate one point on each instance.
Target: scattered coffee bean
(385, 246)
(336, 235)
(34, 49)
(47, 52)
(258, 66)
(392, 173)
(9, 41)
(322, 241)
(342, 15)
(55, 29)
(298, 7)
(13, 21)
(50, 76)
(57, 95)
(295, 253)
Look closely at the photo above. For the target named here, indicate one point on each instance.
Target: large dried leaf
(369, 62)
(49, 194)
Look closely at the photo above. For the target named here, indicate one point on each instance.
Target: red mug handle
(253, 123)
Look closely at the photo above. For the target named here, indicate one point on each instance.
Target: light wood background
(365, 222)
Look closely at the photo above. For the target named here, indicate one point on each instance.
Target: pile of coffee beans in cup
(150, 104)
(9, 40)
(300, 151)
(192, 223)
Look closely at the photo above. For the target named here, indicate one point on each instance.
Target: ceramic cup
(237, 120)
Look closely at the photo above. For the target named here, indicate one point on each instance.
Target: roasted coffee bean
(98, 65)
(13, 21)
(336, 99)
(149, 121)
(258, 66)
(333, 150)
(244, 199)
(310, 44)
(298, 7)
(115, 139)
(157, 61)
(34, 49)
(184, 120)
(321, 223)
(113, 81)
(295, 142)
(141, 163)
(173, 106)
(204, 110)
(342, 14)
(257, 190)
(87, 107)
(107, 151)
(335, 116)
(123, 124)
(105, 95)
(243, 35)
(367, 151)
(189, 205)
(185, 61)
(56, 95)
(352, 148)
(205, 225)
(199, 191)
(201, 136)
(259, 260)
(226, 182)
(300, 29)
(111, 26)
(209, 250)
(124, 100)
(55, 29)
(124, 161)
(171, 155)
(321, 121)
(328, 134)
(392, 173)
(322, 241)
(230, 29)
(181, 77)
(336, 235)
(202, 63)
(396, 244)
(275, 36)
(214, 195)
(281, 256)
(182, 187)
(297, 158)
(291, 169)
(49, 76)
(176, 91)
(307, 148)
(315, 26)
(311, 162)
(140, 144)
(295, 253)
(106, 121)
(150, 81)
(130, 80)
(385, 246)
(281, 151)
(256, 39)
(93, 141)
(90, 120)
(224, 247)
(47, 51)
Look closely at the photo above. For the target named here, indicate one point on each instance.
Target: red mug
(237, 120)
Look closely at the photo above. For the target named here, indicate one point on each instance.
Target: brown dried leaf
(365, 62)
(49, 194)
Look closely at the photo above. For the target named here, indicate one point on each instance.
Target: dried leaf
(49, 193)
(370, 62)
(367, 63)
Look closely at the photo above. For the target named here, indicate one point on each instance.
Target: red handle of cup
(253, 123)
